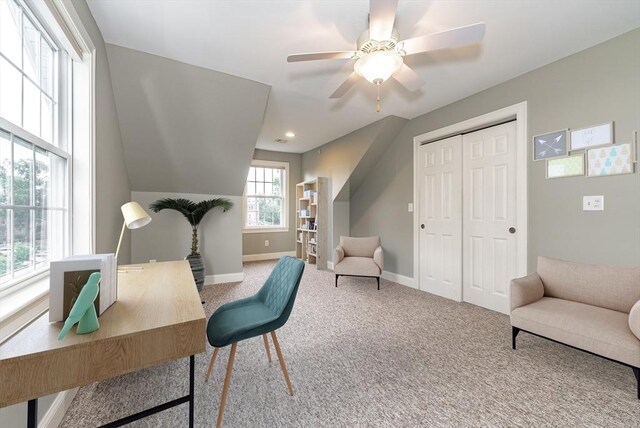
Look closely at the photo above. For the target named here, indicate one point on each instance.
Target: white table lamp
(134, 218)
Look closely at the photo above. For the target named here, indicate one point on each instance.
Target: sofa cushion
(610, 287)
(594, 329)
(357, 266)
(359, 247)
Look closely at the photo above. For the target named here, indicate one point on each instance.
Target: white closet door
(489, 222)
(440, 196)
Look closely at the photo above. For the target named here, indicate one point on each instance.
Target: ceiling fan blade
(453, 38)
(320, 55)
(408, 78)
(382, 14)
(346, 85)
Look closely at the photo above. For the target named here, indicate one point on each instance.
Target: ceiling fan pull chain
(378, 98)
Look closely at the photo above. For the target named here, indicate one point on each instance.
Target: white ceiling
(252, 38)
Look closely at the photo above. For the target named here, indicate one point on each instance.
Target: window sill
(266, 230)
(23, 306)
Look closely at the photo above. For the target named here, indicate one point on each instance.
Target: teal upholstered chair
(262, 313)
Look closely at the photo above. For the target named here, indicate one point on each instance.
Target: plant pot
(197, 268)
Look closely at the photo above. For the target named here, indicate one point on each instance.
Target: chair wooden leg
(266, 346)
(227, 381)
(281, 359)
(213, 360)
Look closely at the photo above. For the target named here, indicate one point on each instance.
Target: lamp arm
(124, 225)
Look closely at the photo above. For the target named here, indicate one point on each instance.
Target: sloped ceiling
(252, 38)
(185, 129)
(351, 157)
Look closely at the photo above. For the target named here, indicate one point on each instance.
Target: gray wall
(594, 86)
(185, 129)
(112, 182)
(253, 243)
(168, 236)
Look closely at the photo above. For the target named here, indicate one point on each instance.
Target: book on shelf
(69, 275)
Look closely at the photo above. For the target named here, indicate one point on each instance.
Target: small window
(265, 201)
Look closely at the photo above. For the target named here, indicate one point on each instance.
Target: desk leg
(32, 413)
(192, 365)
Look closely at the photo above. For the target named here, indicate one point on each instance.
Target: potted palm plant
(194, 212)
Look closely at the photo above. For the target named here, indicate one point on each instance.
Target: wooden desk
(158, 318)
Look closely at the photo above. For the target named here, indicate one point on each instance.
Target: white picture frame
(592, 136)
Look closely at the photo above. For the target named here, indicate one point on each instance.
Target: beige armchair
(358, 257)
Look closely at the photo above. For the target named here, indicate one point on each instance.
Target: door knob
(512, 230)
(422, 226)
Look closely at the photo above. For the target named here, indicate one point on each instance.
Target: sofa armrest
(634, 319)
(526, 290)
(378, 258)
(338, 255)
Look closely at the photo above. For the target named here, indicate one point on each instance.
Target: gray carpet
(360, 357)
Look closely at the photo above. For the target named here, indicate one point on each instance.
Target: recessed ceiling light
(289, 134)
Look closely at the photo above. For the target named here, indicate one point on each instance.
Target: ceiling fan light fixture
(378, 66)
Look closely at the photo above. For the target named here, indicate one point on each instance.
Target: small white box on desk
(76, 269)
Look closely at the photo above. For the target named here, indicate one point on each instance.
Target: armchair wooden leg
(213, 360)
(227, 381)
(378, 278)
(337, 280)
(266, 346)
(282, 364)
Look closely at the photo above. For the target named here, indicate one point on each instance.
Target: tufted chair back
(279, 291)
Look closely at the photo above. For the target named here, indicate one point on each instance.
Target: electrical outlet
(266, 242)
(410, 208)
(593, 203)
(152, 261)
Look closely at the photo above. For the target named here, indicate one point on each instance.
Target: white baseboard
(267, 256)
(224, 277)
(400, 279)
(58, 408)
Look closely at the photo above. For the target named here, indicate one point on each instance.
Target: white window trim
(34, 296)
(285, 186)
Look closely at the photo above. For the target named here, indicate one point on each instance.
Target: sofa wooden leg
(514, 334)
(337, 280)
(636, 371)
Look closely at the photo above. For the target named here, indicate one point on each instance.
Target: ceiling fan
(380, 51)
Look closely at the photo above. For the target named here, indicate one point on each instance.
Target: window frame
(61, 23)
(61, 144)
(284, 227)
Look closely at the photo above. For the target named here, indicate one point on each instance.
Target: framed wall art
(599, 135)
(550, 145)
(570, 166)
(610, 160)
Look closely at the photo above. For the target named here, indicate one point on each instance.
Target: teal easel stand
(83, 311)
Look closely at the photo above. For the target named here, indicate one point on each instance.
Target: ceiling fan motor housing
(367, 45)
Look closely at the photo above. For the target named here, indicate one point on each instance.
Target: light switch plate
(593, 203)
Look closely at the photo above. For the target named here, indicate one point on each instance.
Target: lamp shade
(134, 216)
(378, 66)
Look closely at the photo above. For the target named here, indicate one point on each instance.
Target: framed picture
(550, 145)
(610, 160)
(599, 135)
(570, 166)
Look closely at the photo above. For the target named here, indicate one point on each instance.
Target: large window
(265, 205)
(34, 156)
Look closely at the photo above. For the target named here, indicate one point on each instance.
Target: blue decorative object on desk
(83, 311)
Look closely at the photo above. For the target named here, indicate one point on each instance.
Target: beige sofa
(358, 257)
(592, 308)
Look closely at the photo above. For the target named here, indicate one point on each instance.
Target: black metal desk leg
(32, 413)
(192, 365)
